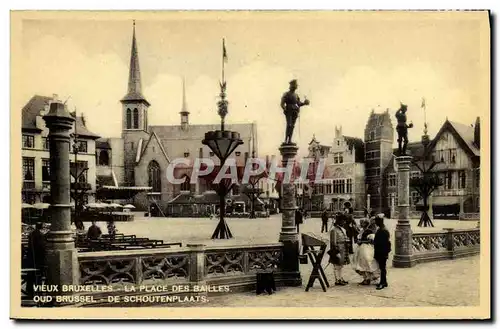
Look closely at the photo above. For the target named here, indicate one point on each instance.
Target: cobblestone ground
(442, 283)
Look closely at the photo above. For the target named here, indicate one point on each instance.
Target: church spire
(134, 92)
(184, 112)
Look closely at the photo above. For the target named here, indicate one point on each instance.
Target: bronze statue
(402, 129)
(291, 104)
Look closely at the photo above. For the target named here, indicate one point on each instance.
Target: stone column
(288, 235)
(62, 259)
(403, 234)
(197, 267)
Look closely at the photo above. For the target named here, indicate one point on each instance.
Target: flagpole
(223, 59)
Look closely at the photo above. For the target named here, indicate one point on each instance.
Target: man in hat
(291, 104)
(382, 248)
(402, 129)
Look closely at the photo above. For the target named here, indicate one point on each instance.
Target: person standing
(351, 229)
(35, 258)
(339, 250)
(363, 261)
(299, 219)
(324, 221)
(382, 246)
(94, 231)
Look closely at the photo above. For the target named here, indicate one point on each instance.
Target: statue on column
(402, 129)
(291, 104)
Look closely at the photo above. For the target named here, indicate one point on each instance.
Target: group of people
(373, 247)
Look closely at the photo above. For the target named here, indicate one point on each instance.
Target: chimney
(477, 133)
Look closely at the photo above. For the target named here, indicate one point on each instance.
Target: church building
(141, 156)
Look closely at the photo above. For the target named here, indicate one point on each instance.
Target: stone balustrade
(196, 264)
(444, 245)
(469, 216)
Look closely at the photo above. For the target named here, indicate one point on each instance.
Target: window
(349, 186)
(338, 157)
(45, 170)
(377, 171)
(82, 165)
(28, 169)
(81, 146)
(103, 158)
(415, 174)
(45, 143)
(136, 119)
(338, 143)
(211, 153)
(461, 179)
(186, 185)
(238, 153)
(328, 189)
(372, 135)
(448, 180)
(415, 197)
(154, 175)
(186, 154)
(28, 141)
(129, 119)
(453, 155)
(392, 180)
(477, 177)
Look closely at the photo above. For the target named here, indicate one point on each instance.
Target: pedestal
(289, 235)
(62, 259)
(403, 234)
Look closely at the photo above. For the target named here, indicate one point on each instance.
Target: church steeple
(184, 112)
(134, 92)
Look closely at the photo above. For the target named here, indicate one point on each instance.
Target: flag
(423, 102)
(224, 52)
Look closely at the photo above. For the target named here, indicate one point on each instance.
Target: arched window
(103, 158)
(136, 119)
(129, 119)
(154, 173)
(186, 185)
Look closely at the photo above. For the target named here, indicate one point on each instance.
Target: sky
(346, 64)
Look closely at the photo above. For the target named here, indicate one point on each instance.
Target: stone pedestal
(62, 259)
(403, 234)
(289, 235)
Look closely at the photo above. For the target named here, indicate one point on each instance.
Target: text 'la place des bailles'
(142, 288)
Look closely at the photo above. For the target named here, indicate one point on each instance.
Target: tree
(424, 185)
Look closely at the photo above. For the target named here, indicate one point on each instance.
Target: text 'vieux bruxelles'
(305, 171)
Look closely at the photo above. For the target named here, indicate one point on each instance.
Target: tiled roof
(173, 132)
(467, 134)
(32, 109)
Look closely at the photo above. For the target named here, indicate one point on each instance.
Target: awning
(119, 192)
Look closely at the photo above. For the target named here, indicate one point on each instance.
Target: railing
(469, 216)
(196, 264)
(445, 245)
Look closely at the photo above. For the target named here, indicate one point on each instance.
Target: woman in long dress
(363, 261)
(339, 249)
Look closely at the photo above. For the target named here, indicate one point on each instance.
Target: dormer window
(186, 154)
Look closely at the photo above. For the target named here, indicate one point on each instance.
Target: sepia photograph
(250, 165)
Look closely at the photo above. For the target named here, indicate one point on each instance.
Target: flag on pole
(423, 102)
(224, 52)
